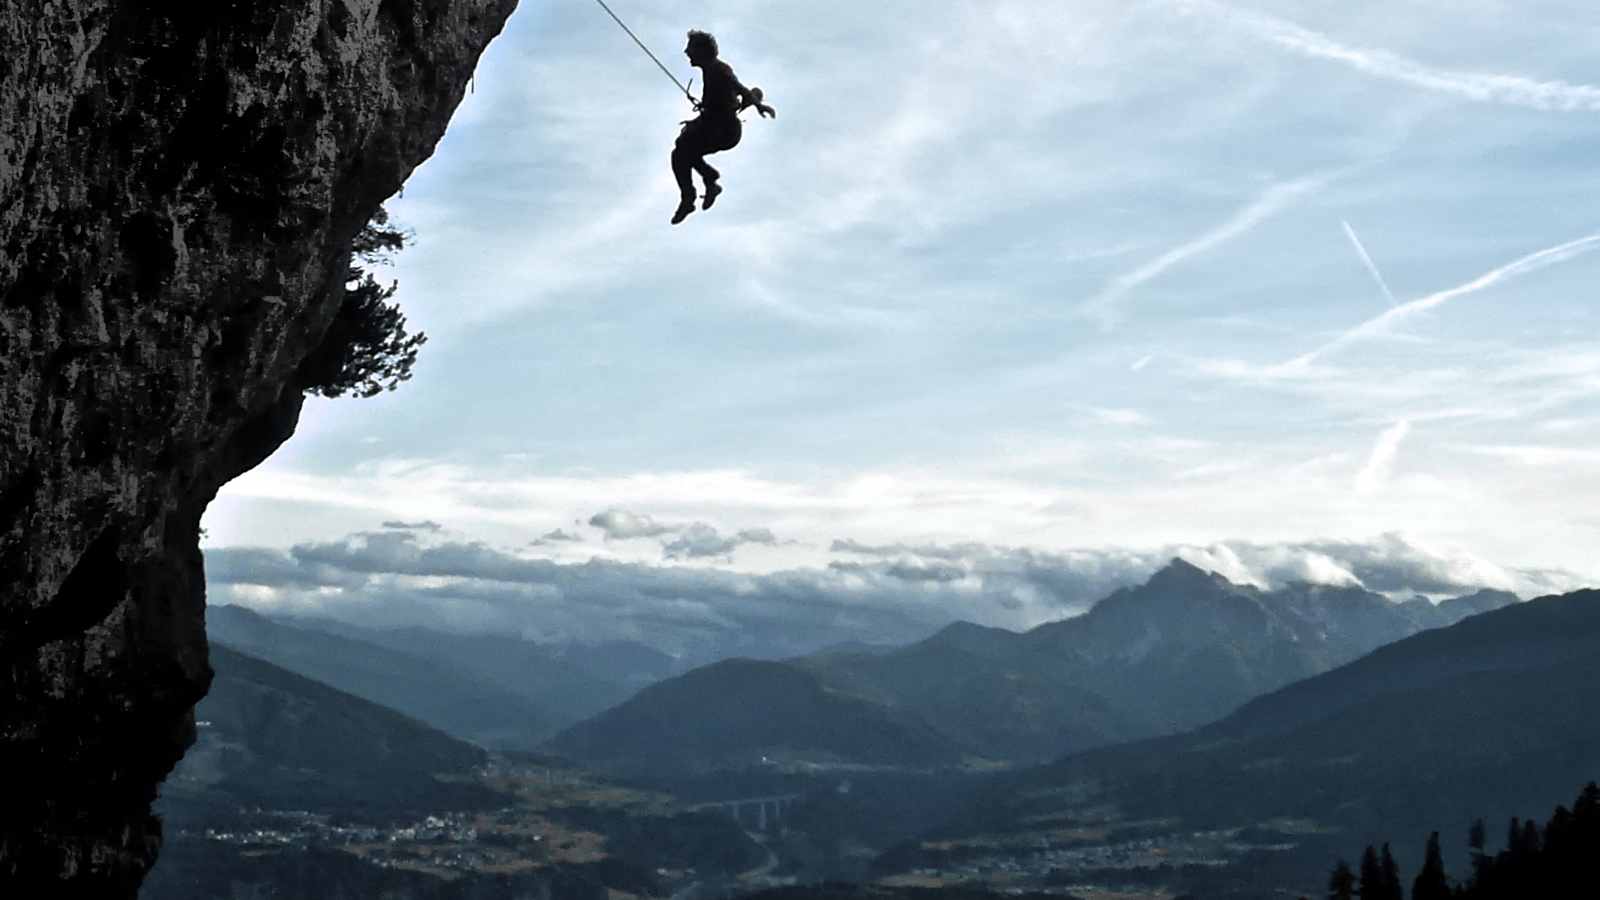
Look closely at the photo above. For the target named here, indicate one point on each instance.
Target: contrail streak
(1366, 259)
(1381, 323)
(1482, 87)
(1269, 203)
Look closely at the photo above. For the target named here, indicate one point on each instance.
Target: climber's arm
(752, 96)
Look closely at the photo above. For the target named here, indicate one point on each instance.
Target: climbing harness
(664, 69)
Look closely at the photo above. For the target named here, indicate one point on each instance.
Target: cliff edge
(179, 186)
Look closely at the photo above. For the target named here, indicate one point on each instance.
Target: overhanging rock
(179, 185)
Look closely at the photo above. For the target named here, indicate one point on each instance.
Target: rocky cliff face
(179, 185)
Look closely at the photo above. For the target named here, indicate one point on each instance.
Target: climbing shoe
(713, 188)
(685, 206)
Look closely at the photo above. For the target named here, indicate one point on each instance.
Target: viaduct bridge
(742, 809)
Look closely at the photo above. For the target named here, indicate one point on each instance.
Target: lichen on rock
(179, 187)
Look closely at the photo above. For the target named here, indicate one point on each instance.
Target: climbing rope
(652, 56)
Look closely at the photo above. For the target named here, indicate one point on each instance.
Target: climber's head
(702, 48)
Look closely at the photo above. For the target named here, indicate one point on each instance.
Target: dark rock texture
(179, 185)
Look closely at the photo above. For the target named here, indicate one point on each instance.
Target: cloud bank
(680, 541)
(892, 593)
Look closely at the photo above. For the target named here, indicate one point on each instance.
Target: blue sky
(1102, 276)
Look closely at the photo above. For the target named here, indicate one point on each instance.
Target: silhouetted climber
(716, 128)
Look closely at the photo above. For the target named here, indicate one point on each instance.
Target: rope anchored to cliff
(664, 70)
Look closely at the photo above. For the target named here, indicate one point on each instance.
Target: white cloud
(556, 536)
(426, 525)
(702, 541)
(1319, 568)
(1116, 416)
(1543, 456)
(620, 524)
(1374, 476)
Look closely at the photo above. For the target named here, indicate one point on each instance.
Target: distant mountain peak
(1182, 574)
(1180, 565)
(1481, 601)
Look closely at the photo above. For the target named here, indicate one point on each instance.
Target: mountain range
(269, 737)
(1484, 709)
(1492, 717)
(1183, 649)
(497, 691)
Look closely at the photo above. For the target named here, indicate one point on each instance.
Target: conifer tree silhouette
(1556, 862)
(1371, 884)
(1342, 882)
(1391, 889)
(1431, 883)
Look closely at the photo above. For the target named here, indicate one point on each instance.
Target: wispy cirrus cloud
(1380, 464)
(1481, 87)
(1108, 415)
(1538, 455)
(868, 335)
(1105, 305)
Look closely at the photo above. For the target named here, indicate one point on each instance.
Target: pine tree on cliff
(1431, 883)
(366, 350)
(1342, 882)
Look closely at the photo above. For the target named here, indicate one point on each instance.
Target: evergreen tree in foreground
(1391, 889)
(1371, 884)
(1431, 883)
(1477, 839)
(1561, 861)
(1342, 882)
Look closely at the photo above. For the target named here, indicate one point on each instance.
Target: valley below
(788, 779)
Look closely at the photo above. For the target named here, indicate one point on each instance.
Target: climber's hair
(703, 42)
